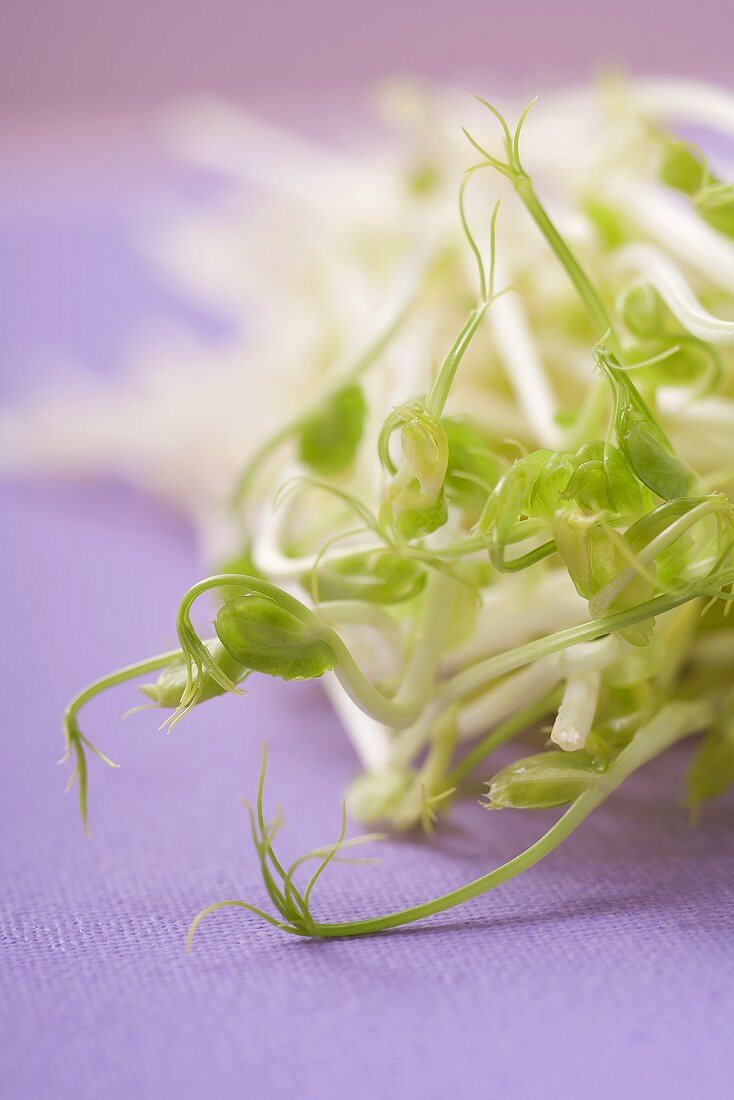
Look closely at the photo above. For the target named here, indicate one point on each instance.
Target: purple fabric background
(605, 971)
(87, 55)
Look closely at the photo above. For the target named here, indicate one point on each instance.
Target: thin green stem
(471, 679)
(587, 292)
(369, 698)
(76, 740)
(672, 723)
(364, 360)
(521, 720)
(441, 387)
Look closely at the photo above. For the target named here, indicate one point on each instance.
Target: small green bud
(171, 684)
(415, 498)
(682, 167)
(543, 781)
(266, 637)
(426, 449)
(639, 436)
(588, 484)
(550, 486)
(623, 489)
(539, 477)
(602, 479)
(414, 523)
(593, 557)
(330, 437)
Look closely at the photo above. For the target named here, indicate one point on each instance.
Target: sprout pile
(525, 529)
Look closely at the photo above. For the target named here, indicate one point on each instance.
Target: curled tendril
(292, 905)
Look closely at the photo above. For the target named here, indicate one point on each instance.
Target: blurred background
(81, 82)
(89, 174)
(88, 58)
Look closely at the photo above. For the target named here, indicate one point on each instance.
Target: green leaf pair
(260, 634)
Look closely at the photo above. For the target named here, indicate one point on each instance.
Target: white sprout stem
(356, 613)
(372, 742)
(423, 663)
(511, 332)
(710, 413)
(672, 286)
(514, 611)
(587, 657)
(582, 666)
(266, 547)
(517, 690)
(662, 216)
(685, 101)
(234, 144)
(576, 712)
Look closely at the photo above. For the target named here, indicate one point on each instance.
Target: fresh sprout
(507, 587)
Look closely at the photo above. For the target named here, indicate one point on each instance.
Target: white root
(672, 286)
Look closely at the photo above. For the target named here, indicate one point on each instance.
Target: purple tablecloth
(606, 971)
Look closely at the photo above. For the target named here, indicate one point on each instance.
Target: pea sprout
(584, 584)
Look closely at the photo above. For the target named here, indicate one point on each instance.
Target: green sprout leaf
(650, 456)
(261, 635)
(640, 437)
(472, 470)
(715, 204)
(415, 522)
(594, 556)
(603, 480)
(642, 310)
(382, 578)
(328, 439)
(683, 166)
